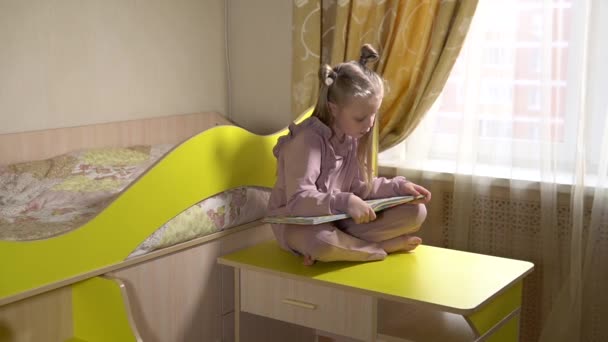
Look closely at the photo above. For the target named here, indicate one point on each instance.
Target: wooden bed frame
(173, 294)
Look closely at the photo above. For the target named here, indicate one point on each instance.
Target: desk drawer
(316, 306)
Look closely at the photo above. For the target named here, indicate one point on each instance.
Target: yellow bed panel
(213, 161)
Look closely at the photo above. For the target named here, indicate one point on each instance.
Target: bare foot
(411, 242)
(401, 243)
(308, 261)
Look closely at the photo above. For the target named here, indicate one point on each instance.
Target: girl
(324, 168)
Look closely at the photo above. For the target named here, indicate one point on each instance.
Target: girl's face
(356, 118)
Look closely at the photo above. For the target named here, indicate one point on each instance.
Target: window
(496, 56)
(515, 99)
(534, 99)
(496, 92)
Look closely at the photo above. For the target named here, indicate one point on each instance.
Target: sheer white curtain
(524, 110)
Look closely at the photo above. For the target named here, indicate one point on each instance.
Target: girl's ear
(333, 108)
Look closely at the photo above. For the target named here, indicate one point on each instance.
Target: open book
(376, 204)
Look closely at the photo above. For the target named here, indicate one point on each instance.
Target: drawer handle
(299, 303)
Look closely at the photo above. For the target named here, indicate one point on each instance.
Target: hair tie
(331, 77)
(368, 54)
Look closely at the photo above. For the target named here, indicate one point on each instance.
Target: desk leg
(498, 320)
(237, 304)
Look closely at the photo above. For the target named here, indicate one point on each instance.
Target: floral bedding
(47, 198)
(225, 210)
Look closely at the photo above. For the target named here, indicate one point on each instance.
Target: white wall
(259, 35)
(70, 62)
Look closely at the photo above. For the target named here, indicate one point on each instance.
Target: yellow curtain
(418, 42)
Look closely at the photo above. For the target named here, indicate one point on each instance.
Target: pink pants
(348, 241)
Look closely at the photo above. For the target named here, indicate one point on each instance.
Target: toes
(412, 242)
(308, 261)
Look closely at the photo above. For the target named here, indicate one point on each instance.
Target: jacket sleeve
(381, 187)
(302, 159)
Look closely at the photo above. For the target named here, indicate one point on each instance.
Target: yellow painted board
(491, 314)
(455, 281)
(99, 312)
(213, 161)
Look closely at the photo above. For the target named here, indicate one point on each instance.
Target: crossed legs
(348, 241)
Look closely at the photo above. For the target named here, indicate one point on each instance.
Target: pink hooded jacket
(316, 174)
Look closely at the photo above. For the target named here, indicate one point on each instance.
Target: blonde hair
(341, 84)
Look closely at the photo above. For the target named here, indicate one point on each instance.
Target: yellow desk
(341, 297)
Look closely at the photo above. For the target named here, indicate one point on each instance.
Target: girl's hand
(409, 188)
(360, 211)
